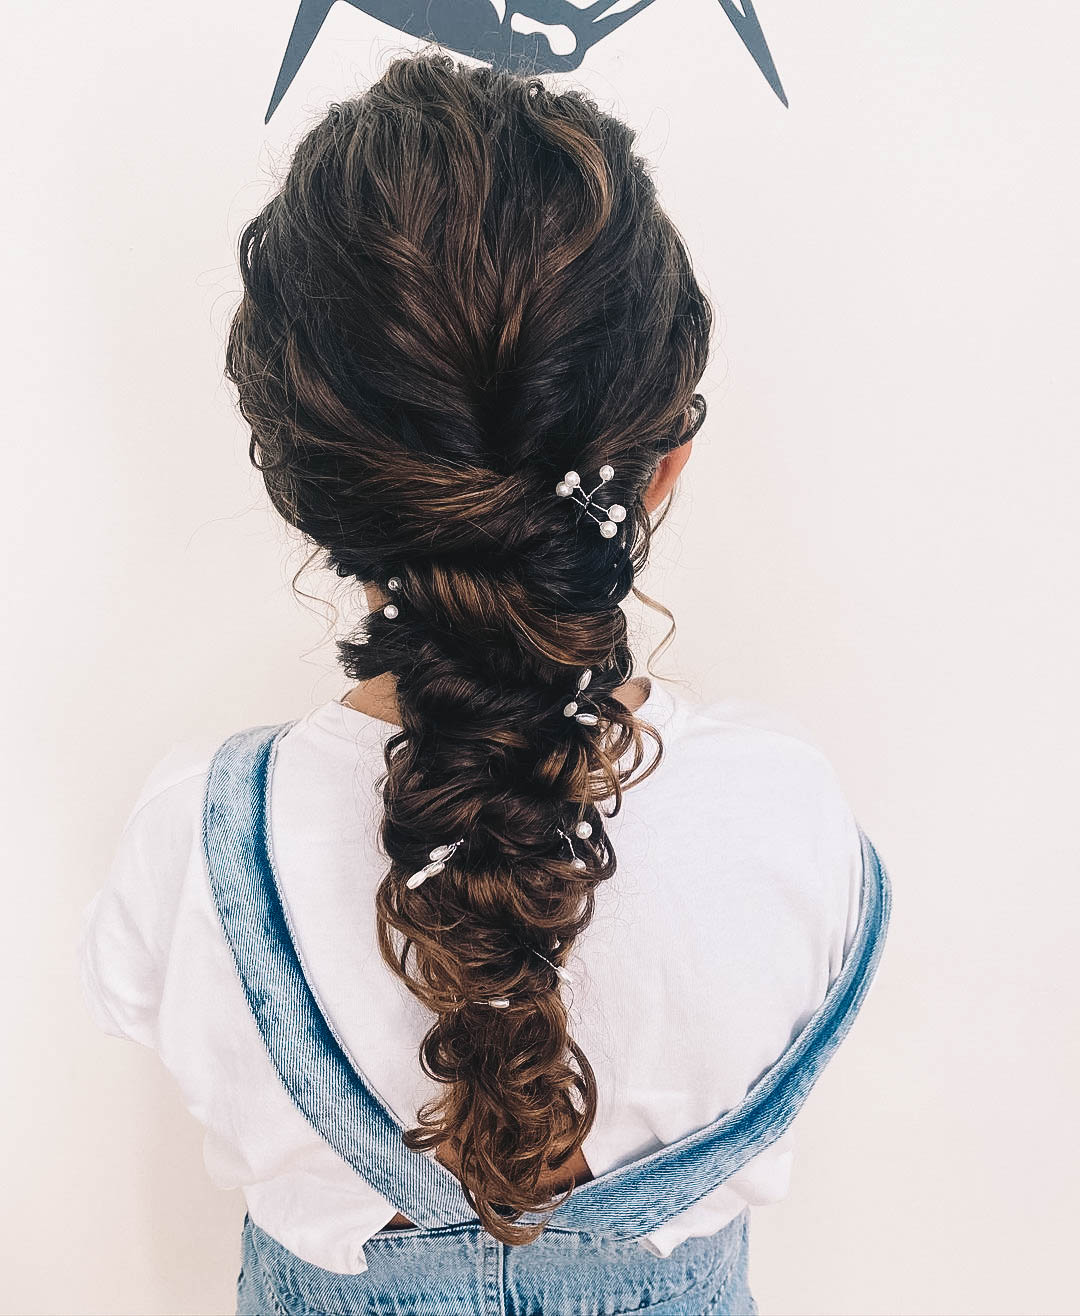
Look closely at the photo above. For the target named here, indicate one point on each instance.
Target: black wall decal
(472, 27)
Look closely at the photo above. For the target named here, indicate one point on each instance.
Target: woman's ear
(666, 474)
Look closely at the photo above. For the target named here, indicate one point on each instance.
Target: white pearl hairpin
(573, 707)
(441, 854)
(583, 830)
(570, 487)
(438, 857)
(564, 975)
(390, 610)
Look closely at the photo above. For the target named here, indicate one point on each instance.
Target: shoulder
(771, 796)
(165, 817)
(750, 754)
(175, 777)
(127, 926)
(169, 803)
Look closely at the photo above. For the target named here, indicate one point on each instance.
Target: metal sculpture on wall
(551, 36)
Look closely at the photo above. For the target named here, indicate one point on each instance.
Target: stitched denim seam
(739, 1256)
(721, 1294)
(407, 1235)
(272, 1295)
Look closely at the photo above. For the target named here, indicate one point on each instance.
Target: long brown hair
(464, 287)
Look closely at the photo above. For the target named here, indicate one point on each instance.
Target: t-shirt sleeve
(818, 839)
(127, 926)
(820, 870)
(841, 854)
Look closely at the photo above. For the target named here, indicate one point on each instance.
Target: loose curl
(464, 287)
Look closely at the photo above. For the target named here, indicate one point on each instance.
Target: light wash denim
(460, 1270)
(588, 1259)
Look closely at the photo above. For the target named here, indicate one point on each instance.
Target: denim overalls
(588, 1260)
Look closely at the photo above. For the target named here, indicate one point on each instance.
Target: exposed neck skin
(378, 697)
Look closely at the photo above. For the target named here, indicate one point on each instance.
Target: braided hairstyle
(464, 287)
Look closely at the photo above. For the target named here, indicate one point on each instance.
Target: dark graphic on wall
(549, 36)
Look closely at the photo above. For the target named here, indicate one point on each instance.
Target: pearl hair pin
(570, 487)
(583, 830)
(390, 610)
(441, 854)
(572, 708)
(564, 975)
(438, 857)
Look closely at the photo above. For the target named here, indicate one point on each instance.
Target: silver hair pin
(573, 707)
(564, 975)
(390, 610)
(570, 487)
(583, 830)
(438, 857)
(500, 1002)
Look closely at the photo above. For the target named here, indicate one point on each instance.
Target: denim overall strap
(308, 1055)
(328, 1087)
(645, 1194)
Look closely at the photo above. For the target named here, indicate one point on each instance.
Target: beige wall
(877, 534)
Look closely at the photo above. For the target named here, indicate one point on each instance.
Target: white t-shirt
(734, 902)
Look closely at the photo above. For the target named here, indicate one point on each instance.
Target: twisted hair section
(464, 287)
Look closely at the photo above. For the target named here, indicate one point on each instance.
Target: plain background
(877, 534)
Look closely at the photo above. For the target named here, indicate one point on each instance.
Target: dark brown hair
(464, 287)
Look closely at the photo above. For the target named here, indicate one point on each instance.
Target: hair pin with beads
(583, 831)
(390, 610)
(438, 858)
(573, 708)
(570, 487)
(564, 975)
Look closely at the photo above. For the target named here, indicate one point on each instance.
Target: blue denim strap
(647, 1193)
(306, 1052)
(330, 1090)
